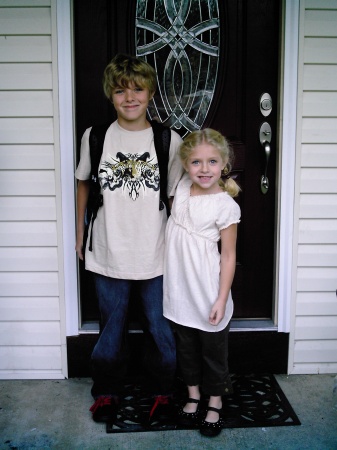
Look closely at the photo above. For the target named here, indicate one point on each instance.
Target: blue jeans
(108, 357)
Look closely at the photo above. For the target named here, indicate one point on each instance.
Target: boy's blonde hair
(124, 70)
(217, 140)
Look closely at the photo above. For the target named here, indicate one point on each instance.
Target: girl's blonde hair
(217, 140)
(124, 70)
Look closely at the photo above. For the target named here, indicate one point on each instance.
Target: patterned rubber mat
(257, 401)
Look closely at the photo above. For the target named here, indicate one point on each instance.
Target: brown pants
(202, 358)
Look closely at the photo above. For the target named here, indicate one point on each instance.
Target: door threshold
(252, 325)
(93, 328)
(236, 325)
(89, 328)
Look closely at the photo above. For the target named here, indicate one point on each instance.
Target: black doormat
(257, 401)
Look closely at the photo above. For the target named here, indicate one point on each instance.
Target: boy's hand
(217, 312)
(79, 248)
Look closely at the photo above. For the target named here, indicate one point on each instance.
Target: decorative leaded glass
(181, 40)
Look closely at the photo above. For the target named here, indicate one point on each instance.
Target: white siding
(32, 336)
(313, 343)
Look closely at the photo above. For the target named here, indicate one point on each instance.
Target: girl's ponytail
(227, 183)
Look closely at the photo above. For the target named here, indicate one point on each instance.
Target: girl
(197, 279)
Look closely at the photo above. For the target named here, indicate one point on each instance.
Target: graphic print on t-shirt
(130, 171)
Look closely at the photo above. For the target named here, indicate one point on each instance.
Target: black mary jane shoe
(189, 419)
(212, 429)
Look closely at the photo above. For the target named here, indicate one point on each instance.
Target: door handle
(264, 178)
(265, 138)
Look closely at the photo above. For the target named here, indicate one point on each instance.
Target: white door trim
(286, 175)
(67, 136)
(287, 165)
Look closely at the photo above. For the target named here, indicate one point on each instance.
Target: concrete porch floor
(54, 414)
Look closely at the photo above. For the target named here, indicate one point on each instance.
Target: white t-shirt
(128, 233)
(192, 259)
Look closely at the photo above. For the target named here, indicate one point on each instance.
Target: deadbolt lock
(266, 104)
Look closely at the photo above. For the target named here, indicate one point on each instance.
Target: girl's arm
(83, 188)
(227, 271)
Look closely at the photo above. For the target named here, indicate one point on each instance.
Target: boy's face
(131, 104)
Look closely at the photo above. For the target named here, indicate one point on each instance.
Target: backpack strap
(162, 141)
(96, 141)
(95, 199)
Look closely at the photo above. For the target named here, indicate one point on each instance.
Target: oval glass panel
(181, 40)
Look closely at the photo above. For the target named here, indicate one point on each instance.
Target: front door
(215, 60)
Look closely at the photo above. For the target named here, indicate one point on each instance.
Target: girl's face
(131, 104)
(204, 167)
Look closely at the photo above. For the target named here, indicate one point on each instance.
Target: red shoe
(163, 409)
(105, 409)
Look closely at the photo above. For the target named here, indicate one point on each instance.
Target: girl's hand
(217, 312)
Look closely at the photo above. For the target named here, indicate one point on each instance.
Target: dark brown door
(247, 68)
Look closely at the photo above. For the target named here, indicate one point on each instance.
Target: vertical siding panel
(314, 336)
(31, 328)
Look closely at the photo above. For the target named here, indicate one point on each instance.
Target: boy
(128, 232)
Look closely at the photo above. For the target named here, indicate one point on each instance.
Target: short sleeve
(229, 213)
(175, 168)
(84, 166)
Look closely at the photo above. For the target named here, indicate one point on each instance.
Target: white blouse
(192, 259)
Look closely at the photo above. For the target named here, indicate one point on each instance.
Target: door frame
(285, 170)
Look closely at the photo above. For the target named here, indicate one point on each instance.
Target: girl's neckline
(204, 195)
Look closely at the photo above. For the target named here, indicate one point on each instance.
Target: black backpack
(162, 140)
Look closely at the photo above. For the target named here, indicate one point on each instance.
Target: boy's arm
(227, 271)
(83, 188)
